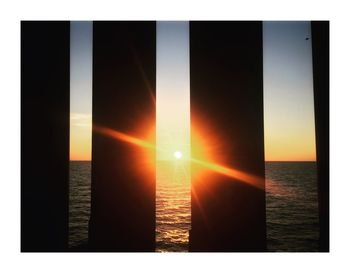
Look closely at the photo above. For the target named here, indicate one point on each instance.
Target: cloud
(81, 119)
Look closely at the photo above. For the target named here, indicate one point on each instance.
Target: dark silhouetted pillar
(227, 97)
(123, 187)
(320, 55)
(44, 135)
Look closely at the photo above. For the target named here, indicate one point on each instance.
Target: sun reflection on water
(173, 208)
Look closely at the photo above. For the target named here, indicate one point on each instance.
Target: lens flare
(123, 137)
(141, 146)
(203, 161)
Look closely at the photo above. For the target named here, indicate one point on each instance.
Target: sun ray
(123, 137)
(252, 180)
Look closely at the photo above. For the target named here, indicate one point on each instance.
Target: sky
(173, 90)
(288, 91)
(80, 90)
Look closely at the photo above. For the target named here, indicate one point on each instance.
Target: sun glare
(178, 154)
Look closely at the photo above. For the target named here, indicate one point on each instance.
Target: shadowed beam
(320, 55)
(45, 74)
(226, 66)
(123, 180)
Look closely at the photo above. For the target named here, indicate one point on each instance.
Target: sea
(291, 207)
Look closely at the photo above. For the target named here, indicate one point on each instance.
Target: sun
(178, 154)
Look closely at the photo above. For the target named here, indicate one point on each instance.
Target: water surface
(291, 206)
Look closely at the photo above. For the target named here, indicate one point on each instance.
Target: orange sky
(288, 144)
(80, 136)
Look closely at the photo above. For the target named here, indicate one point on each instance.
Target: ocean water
(173, 206)
(79, 201)
(291, 206)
